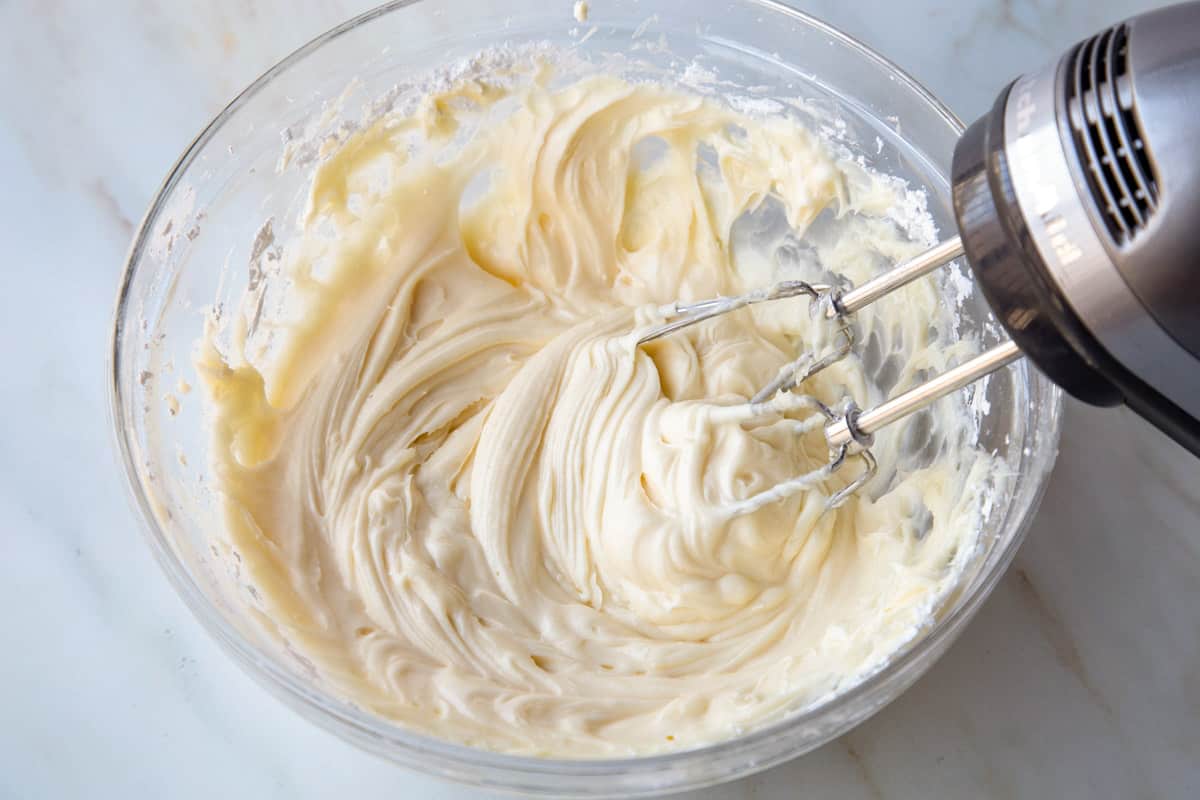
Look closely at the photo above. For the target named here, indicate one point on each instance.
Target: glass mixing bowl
(210, 214)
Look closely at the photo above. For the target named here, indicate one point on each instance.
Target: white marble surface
(1080, 677)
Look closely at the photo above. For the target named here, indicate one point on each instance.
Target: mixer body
(1078, 202)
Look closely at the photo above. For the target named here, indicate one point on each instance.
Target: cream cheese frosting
(470, 503)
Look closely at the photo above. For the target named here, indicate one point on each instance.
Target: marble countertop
(1080, 678)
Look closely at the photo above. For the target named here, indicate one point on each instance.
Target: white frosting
(466, 497)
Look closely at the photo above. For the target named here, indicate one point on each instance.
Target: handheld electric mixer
(1077, 201)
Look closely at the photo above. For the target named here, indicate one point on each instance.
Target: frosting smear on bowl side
(475, 507)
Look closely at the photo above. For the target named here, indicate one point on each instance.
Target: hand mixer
(1077, 202)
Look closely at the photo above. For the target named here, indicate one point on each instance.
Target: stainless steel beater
(1077, 201)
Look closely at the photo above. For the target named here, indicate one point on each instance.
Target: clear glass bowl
(209, 212)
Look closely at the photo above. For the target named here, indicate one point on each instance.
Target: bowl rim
(382, 736)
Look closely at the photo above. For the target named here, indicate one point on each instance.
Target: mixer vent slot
(1108, 138)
